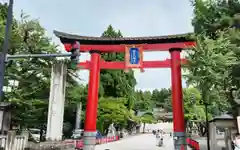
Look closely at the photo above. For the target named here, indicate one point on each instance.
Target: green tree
(159, 97)
(212, 16)
(75, 94)
(30, 97)
(194, 111)
(221, 15)
(144, 101)
(200, 119)
(155, 95)
(209, 63)
(147, 118)
(191, 97)
(116, 83)
(33, 80)
(112, 110)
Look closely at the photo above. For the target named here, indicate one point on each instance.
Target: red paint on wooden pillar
(177, 100)
(92, 102)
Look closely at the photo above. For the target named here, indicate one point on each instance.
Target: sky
(131, 17)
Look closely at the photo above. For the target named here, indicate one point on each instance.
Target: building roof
(164, 115)
(71, 38)
(222, 117)
(5, 106)
(142, 113)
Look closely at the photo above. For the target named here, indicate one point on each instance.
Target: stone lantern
(5, 117)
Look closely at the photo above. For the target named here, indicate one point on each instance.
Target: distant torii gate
(133, 48)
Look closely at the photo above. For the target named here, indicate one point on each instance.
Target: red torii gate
(130, 46)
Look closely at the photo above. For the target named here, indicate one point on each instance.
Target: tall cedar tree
(116, 83)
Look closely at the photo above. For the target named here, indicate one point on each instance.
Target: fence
(193, 144)
(13, 141)
(79, 143)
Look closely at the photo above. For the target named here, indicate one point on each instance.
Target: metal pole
(5, 46)
(92, 103)
(11, 57)
(177, 101)
(207, 126)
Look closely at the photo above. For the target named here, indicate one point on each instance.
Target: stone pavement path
(140, 142)
(203, 143)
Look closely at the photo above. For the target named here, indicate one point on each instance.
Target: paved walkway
(203, 143)
(140, 142)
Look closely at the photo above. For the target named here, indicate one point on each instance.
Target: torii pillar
(92, 103)
(179, 135)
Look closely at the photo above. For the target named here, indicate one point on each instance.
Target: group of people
(159, 137)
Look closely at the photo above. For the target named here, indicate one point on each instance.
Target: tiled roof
(142, 113)
(222, 117)
(66, 37)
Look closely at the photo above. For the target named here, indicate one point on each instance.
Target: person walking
(157, 137)
(161, 138)
(237, 142)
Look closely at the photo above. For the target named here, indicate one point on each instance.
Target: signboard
(134, 55)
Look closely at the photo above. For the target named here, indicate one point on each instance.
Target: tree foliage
(215, 60)
(112, 110)
(210, 62)
(143, 101)
(28, 80)
(160, 97)
(33, 80)
(116, 83)
(118, 96)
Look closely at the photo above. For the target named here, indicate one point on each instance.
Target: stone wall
(50, 146)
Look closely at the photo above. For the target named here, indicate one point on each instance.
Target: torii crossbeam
(121, 65)
(133, 48)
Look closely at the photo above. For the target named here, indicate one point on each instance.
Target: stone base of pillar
(179, 141)
(89, 140)
(89, 147)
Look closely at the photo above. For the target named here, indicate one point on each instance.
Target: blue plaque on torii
(134, 56)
